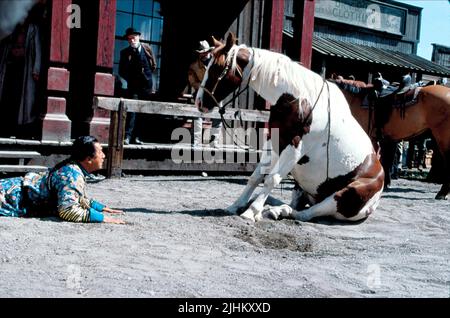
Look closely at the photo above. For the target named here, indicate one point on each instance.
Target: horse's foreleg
(288, 159)
(443, 192)
(442, 137)
(268, 160)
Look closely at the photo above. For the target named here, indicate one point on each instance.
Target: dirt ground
(179, 243)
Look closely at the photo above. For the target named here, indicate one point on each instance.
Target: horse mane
(352, 86)
(272, 68)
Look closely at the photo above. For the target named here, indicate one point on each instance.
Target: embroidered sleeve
(72, 204)
(87, 203)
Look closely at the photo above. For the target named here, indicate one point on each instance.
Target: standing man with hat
(196, 73)
(137, 62)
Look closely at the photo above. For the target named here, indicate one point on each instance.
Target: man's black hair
(83, 147)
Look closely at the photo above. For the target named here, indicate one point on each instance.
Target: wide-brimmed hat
(131, 31)
(204, 47)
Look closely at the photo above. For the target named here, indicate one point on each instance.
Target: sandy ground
(179, 243)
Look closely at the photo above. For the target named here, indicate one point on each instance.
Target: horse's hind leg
(353, 203)
(330, 207)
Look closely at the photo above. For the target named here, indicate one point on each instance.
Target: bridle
(240, 71)
(220, 78)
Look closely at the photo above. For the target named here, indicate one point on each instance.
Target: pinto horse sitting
(320, 143)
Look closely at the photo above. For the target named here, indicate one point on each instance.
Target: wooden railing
(120, 106)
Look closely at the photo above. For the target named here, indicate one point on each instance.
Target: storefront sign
(364, 13)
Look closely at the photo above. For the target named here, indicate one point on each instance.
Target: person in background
(20, 68)
(61, 191)
(196, 73)
(137, 62)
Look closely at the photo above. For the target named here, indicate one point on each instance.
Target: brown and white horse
(430, 112)
(321, 144)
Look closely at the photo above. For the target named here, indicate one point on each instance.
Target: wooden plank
(169, 165)
(178, 109)
(106, 27)
(188, 147)
(116, 136)
(19, 154)
(307, 33)
(276, 25)
(22, 168)
(60, 33)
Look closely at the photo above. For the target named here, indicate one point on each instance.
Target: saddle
(392, 97)
(382, 97)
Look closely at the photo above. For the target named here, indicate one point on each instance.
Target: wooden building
(362, 37)
(441, 55)
(84, 39)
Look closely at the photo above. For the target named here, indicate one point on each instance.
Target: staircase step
(19, 154)
(22, 168)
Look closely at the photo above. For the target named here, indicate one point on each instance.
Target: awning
(369, 54)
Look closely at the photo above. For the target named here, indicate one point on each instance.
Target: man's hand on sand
(112, 211)
(107, 219)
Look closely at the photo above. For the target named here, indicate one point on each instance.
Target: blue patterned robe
(61, 192)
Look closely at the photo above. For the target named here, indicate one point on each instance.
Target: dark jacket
(137, 67)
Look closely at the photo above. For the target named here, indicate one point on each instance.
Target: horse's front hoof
(258, 217)
(248, 215)
(441, 196)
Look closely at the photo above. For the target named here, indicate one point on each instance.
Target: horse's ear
(231, 40)
(218, 46)
(216, 43)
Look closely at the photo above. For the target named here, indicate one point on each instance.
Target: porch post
(276, 26)
(104, 80)
(303, 30)
(276, 32)
(56, 125)
(307, 33)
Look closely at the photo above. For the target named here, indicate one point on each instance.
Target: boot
(198, 127)
(214, 140)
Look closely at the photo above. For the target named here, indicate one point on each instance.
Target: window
(144, 16)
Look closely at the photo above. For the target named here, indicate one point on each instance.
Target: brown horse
(430, 112)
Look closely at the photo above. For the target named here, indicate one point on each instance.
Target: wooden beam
(115, 149)
(178, 109)
(22, 168)
(169, 165)
(276, 26)
(60, 33)
(105, 38)
(307, 33)
(19, 154)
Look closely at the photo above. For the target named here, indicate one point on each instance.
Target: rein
(307, 117)
(329, 131)
(222, 107)
(305, 120)
(222, 112)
